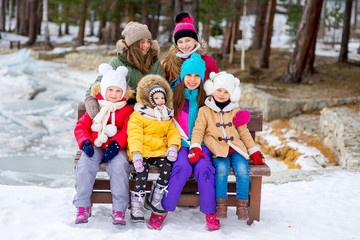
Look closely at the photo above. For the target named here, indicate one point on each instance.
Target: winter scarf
(159, 113)
(192, 95)
(187, 55)
(100, 121)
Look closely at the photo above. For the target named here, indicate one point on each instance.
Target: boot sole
(82, 221)
(136, 219)
(153, 209)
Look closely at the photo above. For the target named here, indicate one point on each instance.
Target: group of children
(189, 123)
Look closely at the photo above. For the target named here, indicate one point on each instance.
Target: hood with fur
(143, 90)
(122, 48)
(95, 90)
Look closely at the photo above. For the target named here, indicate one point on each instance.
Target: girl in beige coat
(231, 146)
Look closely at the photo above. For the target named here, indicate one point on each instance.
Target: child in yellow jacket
(152, 139)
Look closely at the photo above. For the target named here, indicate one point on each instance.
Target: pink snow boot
(156, 221)
(82, 214)
(212, 223)
(118, 218)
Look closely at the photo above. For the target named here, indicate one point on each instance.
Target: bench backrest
(254, 125)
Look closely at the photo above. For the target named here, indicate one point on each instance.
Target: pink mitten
(242, 117)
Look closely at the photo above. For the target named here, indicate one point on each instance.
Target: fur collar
(144, 85)
(210, 102)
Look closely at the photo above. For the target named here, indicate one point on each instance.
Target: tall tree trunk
(2, 14)
(46, 24)
(60, 7)
(304, 38)
(179, 6)
(266, 44)
(144, 13)
(132, 12)
(102, 26)
(11, 3)
(92, 21)
(81, 33)
(309, 64)
(67, 10)
(195, 13)
(259, 25)
(355, 14)
(343, 57)
(32, 22)
(206, 27)
(226, 40)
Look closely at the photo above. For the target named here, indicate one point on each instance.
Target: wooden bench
(189, 197)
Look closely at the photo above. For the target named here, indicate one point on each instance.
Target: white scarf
(159, 113)
(187, 55)
(100, 121)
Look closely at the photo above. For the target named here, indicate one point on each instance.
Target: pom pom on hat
(195, 65)
(226, 81)
(184, 17)
(112, 78)
(135, 31)
(184, 27)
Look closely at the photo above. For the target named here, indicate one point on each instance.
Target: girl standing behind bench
(108, 133)
(230, 145)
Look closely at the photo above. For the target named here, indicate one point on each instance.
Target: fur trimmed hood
(143, 90)
(122, 48)
(95, 90)
(202, 50)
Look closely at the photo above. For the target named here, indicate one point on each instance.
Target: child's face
(186, 44)
(159, 98)
(192, 81)
(221, 95)
(145, 45)
(113, 94)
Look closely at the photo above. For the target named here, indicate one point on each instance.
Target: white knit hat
(223, 80)
(112, 78)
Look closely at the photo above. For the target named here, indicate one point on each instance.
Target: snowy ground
(37, 147)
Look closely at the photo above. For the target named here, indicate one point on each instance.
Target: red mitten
(242, 117)
(258, 158)
(195, 154)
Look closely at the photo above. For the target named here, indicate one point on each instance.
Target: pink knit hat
(184, 27)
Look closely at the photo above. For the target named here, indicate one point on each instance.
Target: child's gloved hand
(111, 151)
(138, 162)
(258, 158)
(87, 148)
(92, 106)
(171, 153)
(241, 118)
(195, 154)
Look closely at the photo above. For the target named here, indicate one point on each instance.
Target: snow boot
(221, 208)
(154, 201)
(241, 209)
(212, 223)
(82, 215)
(118, 218)
(156, 221)
(137, 206)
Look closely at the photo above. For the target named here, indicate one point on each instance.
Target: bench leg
(255, 199)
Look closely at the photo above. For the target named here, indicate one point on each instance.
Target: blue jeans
(241, 168)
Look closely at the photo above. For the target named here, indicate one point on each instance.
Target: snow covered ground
(37, 147)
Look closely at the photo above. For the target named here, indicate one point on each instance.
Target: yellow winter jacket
(149, 136)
